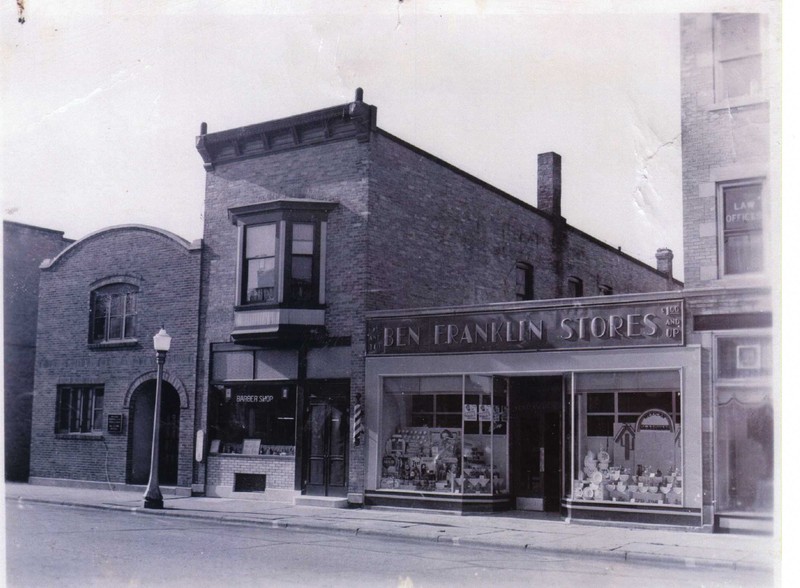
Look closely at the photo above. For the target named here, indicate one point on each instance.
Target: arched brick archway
(141, 404)
(169, 378)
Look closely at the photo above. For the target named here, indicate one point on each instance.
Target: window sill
(281, 306)
(114, 344)
(736, 103)
(81, 436)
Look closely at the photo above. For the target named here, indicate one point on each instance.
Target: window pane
(261, 280)
(260, 241)
(738, 35)
(115, 327)
(743, 252)
(303, 232)
(302, 268)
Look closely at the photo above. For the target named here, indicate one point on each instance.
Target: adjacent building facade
(729, 65)
(24, 248)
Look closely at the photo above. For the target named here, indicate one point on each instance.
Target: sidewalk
(496, 531)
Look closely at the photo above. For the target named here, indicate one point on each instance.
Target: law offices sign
(598, 326)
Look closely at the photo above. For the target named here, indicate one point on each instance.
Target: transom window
(79, 409)
(114, 313)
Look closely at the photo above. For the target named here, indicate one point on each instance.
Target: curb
(305, 526)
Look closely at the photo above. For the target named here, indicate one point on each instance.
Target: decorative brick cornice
(354, 120)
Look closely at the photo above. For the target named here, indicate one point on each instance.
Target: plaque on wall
(115, 423)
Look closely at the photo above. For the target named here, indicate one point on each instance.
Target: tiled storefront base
(263, 477)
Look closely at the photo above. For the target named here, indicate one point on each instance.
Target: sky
(102, 101)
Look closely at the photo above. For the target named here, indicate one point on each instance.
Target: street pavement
(513, 530)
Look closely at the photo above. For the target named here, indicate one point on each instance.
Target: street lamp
(152, 496)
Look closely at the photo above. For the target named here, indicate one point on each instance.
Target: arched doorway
(140, 432)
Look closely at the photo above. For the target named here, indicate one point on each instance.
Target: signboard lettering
(556, 328)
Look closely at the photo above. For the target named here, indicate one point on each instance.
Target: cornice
(354, 120)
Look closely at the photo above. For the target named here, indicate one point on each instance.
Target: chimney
(548, 192)
(664, 261)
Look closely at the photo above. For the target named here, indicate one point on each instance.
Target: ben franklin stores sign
(638, 324)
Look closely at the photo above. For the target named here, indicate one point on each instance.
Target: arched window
(113, 313)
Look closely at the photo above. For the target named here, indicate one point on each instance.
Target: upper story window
(737, 56)
(282, 252)
(260, 252)
(113, 313)
(741, 235)
(79, 409)
(605, 290)
(574, 287)
(524, 281)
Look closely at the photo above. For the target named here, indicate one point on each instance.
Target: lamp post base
(154, 503)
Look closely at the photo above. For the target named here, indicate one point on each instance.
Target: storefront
(589, 408)
(278, 422)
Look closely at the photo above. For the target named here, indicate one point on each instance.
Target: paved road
(50, 545)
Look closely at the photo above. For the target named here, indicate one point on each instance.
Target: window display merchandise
(628, 437)
(445, 434)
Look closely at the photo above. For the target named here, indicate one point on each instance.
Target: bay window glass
(301, 284)
(627, 437)
(445, 434)
(260, 263)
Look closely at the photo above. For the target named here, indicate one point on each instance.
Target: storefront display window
(445, 434)
(627, 437)
(256, 419)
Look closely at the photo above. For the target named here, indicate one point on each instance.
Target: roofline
(555, 220)
(195, 245)
(38, 228)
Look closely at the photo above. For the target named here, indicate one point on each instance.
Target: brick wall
(438, 237)
(24, 249)
(167, 271)
(718, 143)
(279, 471)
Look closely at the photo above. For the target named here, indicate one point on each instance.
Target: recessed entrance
(536, 410)
(326, 440)
(140, 439)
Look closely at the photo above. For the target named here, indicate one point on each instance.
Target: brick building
(311, 222)
(101, 300)
(24, 248)
(729, 101)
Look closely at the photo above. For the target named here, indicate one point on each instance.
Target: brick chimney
(548, 189)
(664, 261)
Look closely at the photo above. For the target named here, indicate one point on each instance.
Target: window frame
(720, 96)
(723, 233)
(123, 289)
(576, 284)
(523, 290)
(285, 215)
(87, 418)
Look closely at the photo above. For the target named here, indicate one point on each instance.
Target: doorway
(536, 410)
(140, 434)
(326, 430)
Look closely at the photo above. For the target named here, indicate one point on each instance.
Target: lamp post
(152, 496)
